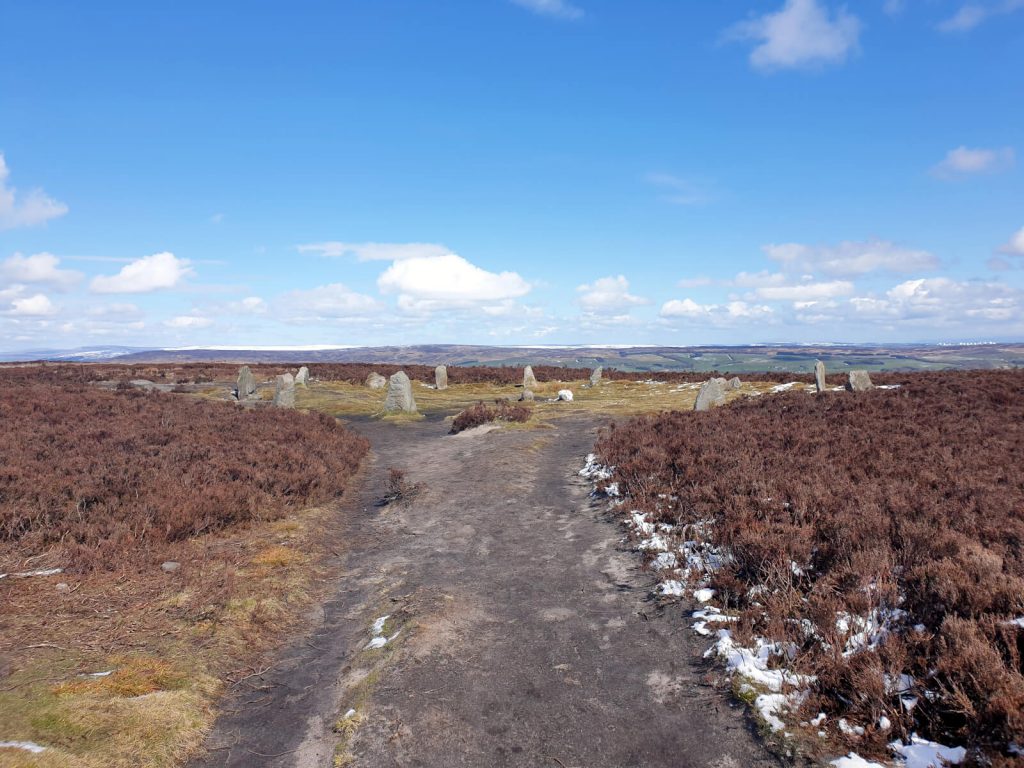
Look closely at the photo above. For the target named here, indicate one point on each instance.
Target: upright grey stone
(595, 377)
(734, 383)
(441, 377)
(712, 393)
(399, 399)
(859, 381)
(284, 391)
(302, 377)
(376, 381)
(246, 386)
(819, 375)
(529, 380)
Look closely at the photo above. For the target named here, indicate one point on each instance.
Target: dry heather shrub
(479, 414)
(908, 500)
(108, 476)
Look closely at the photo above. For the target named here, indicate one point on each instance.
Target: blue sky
(511, 171)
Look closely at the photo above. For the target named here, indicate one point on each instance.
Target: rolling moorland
(189, 577)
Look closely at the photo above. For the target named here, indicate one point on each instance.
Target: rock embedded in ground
(400, 399)
(564, 396)
(595, 377)
(170, 566)
(302, 377)
(527, 395)
(859, 381)
(819, 376)
(246, 386)
(734, 383)
(284, 391)
(376, 381)
(142, 383)
(712, 393)
(529, 380)
(441, 377)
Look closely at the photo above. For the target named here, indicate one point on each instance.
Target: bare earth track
(525, 636)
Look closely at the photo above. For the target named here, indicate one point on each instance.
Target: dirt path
(525, 633)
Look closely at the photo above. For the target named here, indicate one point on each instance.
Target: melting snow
(784, 387)
(921, 753)
(853, 760)
(28, 746)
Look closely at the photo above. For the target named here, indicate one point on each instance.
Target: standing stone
(595, 377)
(246, 386)
(376, 381)
(302, 377)
(734, 383)
(399, 399)
(284, 391)
(529, 380)
(859, 381)
(819, 375)
(440, 377)
(712, 392)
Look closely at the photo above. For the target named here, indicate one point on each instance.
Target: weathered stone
(284, 391)
(246, 386)
(712, 393)
(170, 566)
(859, 381)
(529, 380)
(734, 383)
(564, 395)
(302, 377)
(595, 377)
(527, 395)
(400, 399)
(63, 588)
(142, 383)
(819, 376)
(376, 381)
(441, 377)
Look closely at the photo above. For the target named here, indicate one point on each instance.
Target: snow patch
(921, 753)
(28, 746)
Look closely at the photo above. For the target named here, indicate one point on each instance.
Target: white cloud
(806, 292)
(37, 305)
(971, 15)
(150, 273)
(1015, 245)
(964, 161)
(437, 282)
(942, 301)
(375, 251)
(185, 322)
(31, 209)
(560, 9)
(850, 258)
(802, 34)
(250, 305)
(730, 313)
(335, 301)
(38, 268)
(678, 191)
(608, 293)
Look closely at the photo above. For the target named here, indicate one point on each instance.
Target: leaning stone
(595, 377)
(441, 377)
(734, 383)
(170, 567)
(819, 376)
(400, 399)
(529, 380)
(564, 396)
(712, 393)
(246, 386)
(302, 377)
(527, 395)
(859, 381)
(284, 391)
(376, 381)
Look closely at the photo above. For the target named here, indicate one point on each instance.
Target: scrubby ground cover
(865, 551)
(479, 414)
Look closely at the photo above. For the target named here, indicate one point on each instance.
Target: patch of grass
(277, 557)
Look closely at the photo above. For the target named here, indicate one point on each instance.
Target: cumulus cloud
(25, 210)
(559, 9)
(944, 301)
(803, 33)
(37, 305)
(730, 313)
(426, 283)
(150, 273)
(969, 16)
(189, 322)
(850, 258)
(375, 251)
(335, 301)
(806, 291)
(38, 268)
(1015, 245)
(608, 293)
(965, 161)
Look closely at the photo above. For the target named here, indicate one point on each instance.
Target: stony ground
(525, 633)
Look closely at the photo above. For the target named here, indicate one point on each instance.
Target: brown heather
(910, 498)
(109, 476)
(478, 414)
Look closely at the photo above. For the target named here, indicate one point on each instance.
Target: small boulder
(527, 396)
(170, 566)
(302, 377)
(712, 393)
(564, 396)
(595, 377)
(376, 381)
(400, 399)
(284, 391)
(63, 588)
(859, 381)
(440, 377)
(819, 376)
(246, 386)
(529, 380)
(734, 383)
